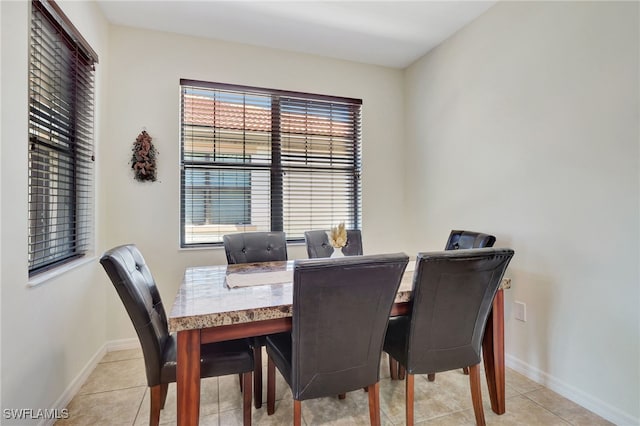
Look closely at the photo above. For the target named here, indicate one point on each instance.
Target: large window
(266, 160)
(60, 140)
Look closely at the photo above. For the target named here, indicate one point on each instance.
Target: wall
(145, 70)
(525, 124)
(50, 333)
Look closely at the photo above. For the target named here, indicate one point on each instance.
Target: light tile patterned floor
(116, 394)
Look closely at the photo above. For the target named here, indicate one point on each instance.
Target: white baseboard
(601, 408)
(122, 344)
(76, 384)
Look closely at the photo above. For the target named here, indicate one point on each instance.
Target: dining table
(225, 302)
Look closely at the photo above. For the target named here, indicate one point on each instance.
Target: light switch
(520, 311)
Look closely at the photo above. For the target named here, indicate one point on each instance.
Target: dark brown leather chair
(468, 240)
(337, 303)
(137, 289)
(453, 293)
(458, 239)
(318, 244)
(250, 247)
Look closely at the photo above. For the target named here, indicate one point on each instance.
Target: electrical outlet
(520, 311)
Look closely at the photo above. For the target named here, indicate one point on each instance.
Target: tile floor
(116, 394)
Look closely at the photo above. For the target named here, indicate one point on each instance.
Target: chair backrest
(249, 247)
(453, 293)
(341, 310)
(318, 244)
(137, 289)
(468, 240)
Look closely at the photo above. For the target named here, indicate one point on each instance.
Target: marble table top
(205, 300)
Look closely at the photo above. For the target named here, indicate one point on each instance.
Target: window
(266, 160)
(60, 140)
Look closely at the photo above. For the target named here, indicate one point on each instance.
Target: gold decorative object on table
(338, 239)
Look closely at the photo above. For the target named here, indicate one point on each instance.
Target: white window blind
(260, 159)
(60, 140)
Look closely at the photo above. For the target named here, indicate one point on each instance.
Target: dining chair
(458, 239)
(337, 303)
(250, 247)
(452, 296)
(318, 244)
(468, 239)
(137, 289)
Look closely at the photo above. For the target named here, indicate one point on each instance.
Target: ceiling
(388, 33)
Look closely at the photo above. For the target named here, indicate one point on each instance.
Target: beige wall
(144, 76)
(51, 332)
(525, 124)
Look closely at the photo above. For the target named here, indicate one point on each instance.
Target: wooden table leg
(188, 377)
(493, 354)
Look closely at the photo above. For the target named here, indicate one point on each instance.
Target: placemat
(259, 278)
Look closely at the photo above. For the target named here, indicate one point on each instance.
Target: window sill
(221, 246)
(197, 248)
(54, 273)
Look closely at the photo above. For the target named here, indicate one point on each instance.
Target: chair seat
(216, 359)
(396, 339)
(279, 350)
